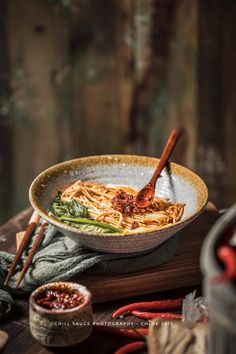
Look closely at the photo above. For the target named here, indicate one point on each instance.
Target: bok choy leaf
(76, 215)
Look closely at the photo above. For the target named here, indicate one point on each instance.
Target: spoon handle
(169, 147)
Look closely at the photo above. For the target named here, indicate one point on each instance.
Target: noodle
(98, 199)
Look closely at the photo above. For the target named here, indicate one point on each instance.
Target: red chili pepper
(125, 332)
(131, 347)
(227, 256)
(158, 305)
(150, 315)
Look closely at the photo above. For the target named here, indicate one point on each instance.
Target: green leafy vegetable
(87, 228)
(91, 222)
(71, 208)
(75, 214)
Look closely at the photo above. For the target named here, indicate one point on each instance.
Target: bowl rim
(114, 158)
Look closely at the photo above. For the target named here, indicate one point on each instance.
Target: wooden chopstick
(32, 252)
(28, 232)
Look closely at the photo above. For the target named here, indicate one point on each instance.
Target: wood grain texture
(6, 120)
(229, 103)
(9, 230)
(97, 94)
(181, 84)
(211, 160)
(87, 77)
(34, 56)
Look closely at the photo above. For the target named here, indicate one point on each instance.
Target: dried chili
(62, 299)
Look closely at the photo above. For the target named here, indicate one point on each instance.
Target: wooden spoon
(146, 195)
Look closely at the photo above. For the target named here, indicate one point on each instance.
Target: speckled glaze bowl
(65, 327)
(179, 185)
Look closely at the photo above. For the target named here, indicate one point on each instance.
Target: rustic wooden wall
(84, 77)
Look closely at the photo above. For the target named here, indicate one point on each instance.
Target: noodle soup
(99, 208)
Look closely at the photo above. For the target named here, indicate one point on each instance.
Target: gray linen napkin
(59, 258)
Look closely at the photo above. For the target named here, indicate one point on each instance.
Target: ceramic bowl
(64, 327)
(179, 184)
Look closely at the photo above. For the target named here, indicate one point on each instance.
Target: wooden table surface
(17, 327)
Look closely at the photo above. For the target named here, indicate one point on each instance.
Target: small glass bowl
(62, 327)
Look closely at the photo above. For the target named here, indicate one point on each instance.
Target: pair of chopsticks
(33, 222)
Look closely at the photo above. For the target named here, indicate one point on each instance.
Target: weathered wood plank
(181, 81)
(228, 97)
(211, 157)
(6, 122)
(102, 77)
(36, 53)
(9, 230)
(101, 123)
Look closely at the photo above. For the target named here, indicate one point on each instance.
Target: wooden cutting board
(182, 271)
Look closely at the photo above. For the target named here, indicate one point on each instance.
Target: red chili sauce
(61, 299)
(125, 203)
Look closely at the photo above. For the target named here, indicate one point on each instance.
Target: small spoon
(146, 195)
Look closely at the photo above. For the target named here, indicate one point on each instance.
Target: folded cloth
(59, 258)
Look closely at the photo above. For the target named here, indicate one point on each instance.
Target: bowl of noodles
(92, 200)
